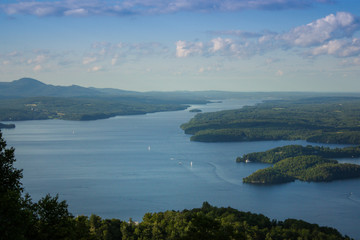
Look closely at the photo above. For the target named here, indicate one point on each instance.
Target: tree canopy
(323, 119)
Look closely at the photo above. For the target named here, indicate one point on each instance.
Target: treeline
(3, 125)
(277, 154)
(307, 168)
(325, 119)
(79, 108)
(49, 219)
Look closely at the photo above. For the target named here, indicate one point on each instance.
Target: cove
(125, 166)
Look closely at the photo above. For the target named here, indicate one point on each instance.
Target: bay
(126, 166)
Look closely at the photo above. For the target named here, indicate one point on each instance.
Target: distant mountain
(28, 87)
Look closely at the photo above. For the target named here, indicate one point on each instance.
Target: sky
(162, 45)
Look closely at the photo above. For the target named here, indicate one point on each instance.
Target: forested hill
(29, 99)
(322, 119)
(30, 88)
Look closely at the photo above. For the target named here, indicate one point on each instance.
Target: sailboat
(149, 148)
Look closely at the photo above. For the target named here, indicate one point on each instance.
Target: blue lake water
(126, 166)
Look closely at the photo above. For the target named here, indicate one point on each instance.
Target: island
(309, 168)
(195, 110)
(316, 119)
(277, 154)
(304, 163)
(9, 125)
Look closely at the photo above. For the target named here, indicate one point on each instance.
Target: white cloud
(279, 73)
(114, 60)
(185, 49)
(139, 7)
(38, 59)
(341, 25)
(339, 48)
(37, 68)
(88, 60)
(271, 60)
(76, 12)
(219, 44)
(95, 69)
(14, 54)
(31, 8)
(330, 35)
(238, 33)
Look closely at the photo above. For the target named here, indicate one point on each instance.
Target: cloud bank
(149, 7)
(331, 35)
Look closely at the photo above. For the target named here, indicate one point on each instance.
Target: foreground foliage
(323, 119)
(49, 219)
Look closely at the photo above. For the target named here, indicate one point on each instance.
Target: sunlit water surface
(126, 166)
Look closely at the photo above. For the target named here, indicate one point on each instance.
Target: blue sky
(236, 45)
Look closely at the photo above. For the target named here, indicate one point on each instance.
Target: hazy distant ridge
(29, 87)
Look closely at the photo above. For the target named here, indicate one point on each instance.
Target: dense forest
(322, 119)
(307, 168)
(76, 108)
(29, 99)
(49, 218)
(3, 125)
(277, 154)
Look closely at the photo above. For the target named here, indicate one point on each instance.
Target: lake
(126, 166)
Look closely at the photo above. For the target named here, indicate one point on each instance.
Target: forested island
(49, 218)
(277, 154)
(305, 163)
(309, 168)
(320, 119)
(3, 125)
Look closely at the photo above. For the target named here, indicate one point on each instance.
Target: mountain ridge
(30, 87)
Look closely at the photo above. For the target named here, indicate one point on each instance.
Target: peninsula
(320, 119)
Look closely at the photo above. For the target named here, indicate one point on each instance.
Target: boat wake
(220, 177)
(352, 197)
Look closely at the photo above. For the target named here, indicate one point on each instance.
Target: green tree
(13, 214)
(53, 219)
